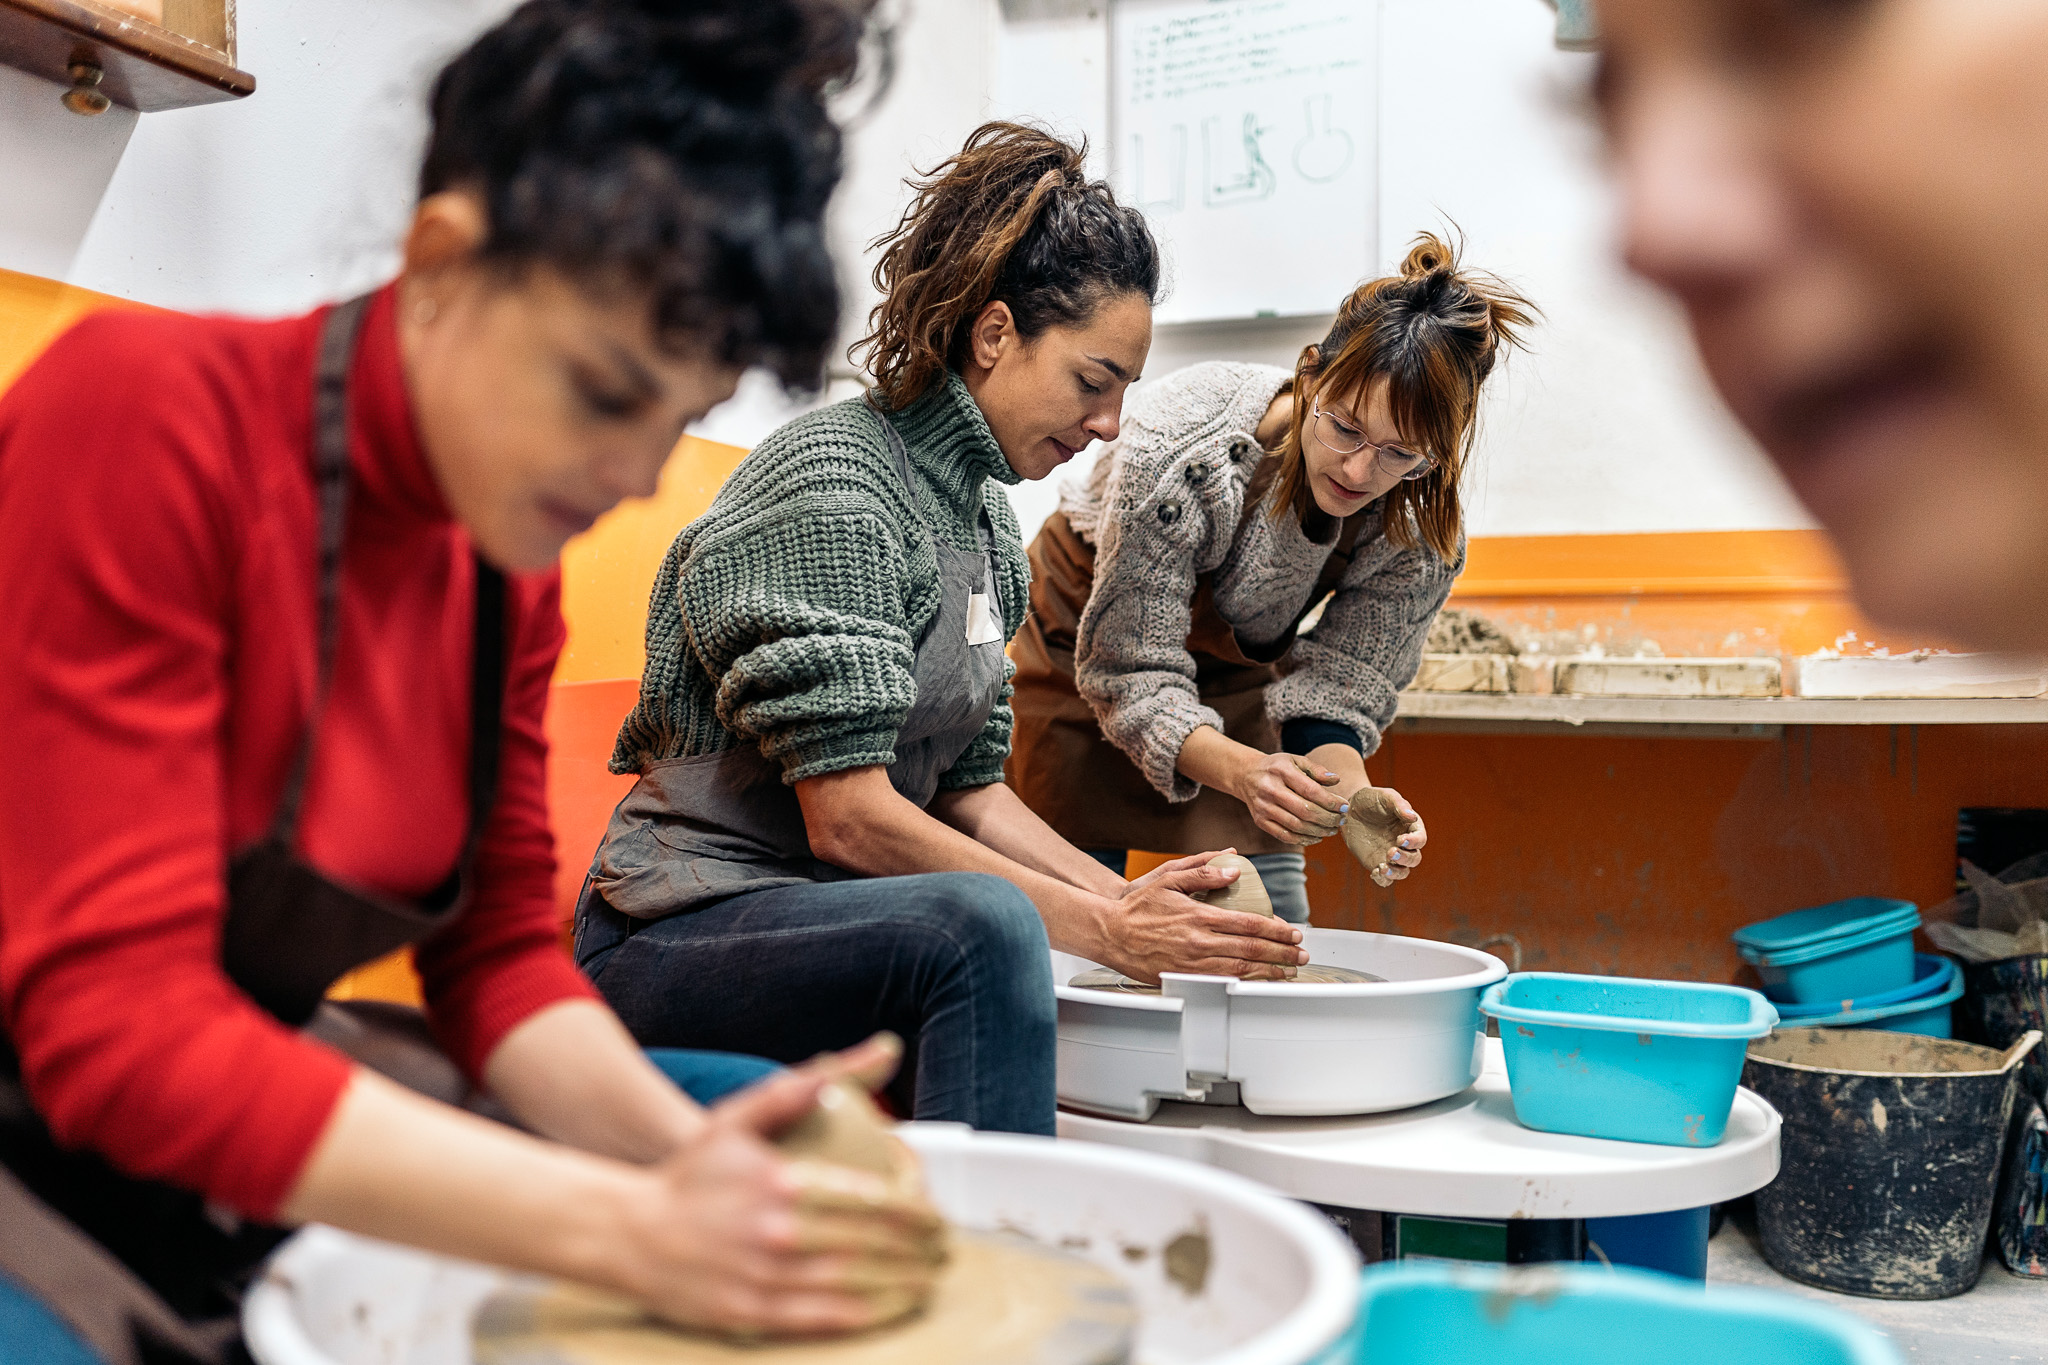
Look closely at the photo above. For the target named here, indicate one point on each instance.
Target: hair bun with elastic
(1430, 254)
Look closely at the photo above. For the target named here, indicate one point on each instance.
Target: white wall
(298, 193)
(55, 166)
(1608, 425)
(264, 205)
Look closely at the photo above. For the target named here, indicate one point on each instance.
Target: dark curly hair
(680, 150)
(1013, 217)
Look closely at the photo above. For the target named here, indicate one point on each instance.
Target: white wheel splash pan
(1278, 1047)
(1282, 1284)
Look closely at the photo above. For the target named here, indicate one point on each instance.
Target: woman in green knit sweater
(820, 843)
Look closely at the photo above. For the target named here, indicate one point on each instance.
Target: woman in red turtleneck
(209, 807)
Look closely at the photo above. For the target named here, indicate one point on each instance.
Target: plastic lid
(1823, 923)
(1932, 974)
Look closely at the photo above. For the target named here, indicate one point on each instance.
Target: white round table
(1461, 1157)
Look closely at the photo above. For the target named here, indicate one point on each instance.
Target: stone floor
(2003, 1319)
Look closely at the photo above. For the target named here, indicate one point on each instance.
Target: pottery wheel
(1108, 979)
(1000, 1301)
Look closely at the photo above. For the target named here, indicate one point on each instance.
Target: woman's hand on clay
(1292, 798)
(1406, 855)
(1157, 927)
(728, 1235)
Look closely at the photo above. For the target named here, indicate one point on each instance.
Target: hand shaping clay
(1372, 829)
(998, 1299)
(1247, 893)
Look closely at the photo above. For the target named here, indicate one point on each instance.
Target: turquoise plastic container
(1932, 1015)
(1829, 953)
(1932, 974)
(1616, 1057)
(1414, 1314)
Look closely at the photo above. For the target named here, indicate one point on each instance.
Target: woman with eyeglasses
(1223, 611)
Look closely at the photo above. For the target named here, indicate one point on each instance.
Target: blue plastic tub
(1615, 1057)
(1829, 953)
(1931, 1015)
(1932, 974)
(1414, 1314)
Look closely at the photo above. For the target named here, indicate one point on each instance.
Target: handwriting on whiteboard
(1238, 119)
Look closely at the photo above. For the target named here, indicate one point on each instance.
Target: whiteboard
(1247, 131)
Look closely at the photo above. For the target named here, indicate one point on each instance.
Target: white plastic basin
(1282, 1284)
(1286, 1048)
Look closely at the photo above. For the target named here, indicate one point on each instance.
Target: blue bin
(1830, 953)
(1415, 1314)
(1932, 974)
(1931, 1015)
(1615, 1057)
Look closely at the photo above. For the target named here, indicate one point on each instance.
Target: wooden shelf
(147, 67)
(1702, 717)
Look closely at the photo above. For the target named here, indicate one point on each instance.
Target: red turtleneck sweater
(158, 538)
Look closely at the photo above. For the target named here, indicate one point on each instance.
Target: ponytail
(1012, 218)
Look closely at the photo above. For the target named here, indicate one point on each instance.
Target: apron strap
(338, 343)
(486, 702)
(330, 473)
(896, 446)
(984, 529)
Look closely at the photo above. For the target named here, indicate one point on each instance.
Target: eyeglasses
(1396, 460)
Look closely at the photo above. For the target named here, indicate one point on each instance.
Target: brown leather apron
(146, 1272)
(1073, 777)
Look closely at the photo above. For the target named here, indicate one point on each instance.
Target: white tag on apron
(982, 626)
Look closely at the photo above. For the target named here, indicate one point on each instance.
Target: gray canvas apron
(699, 829)
(144, 1271)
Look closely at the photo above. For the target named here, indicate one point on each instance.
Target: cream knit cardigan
(1161, 506)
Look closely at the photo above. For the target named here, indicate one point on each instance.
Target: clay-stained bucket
(1889, 1157)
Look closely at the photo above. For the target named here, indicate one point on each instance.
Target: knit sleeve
(1168, 518)
(1351, 668)
(798, 614)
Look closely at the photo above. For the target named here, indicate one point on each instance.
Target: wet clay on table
(997, 1298)
(1248, 894)
(1372, 830)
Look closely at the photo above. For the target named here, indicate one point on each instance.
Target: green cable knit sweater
(788, 614)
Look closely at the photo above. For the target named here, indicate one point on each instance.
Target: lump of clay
(1372, 830)
(845, 1129)
(1247, 893)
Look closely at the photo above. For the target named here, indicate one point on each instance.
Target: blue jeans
(955, 962)
(30, 1334)
(1285, 876)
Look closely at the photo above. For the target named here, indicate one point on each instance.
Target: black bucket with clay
(1889, 1158)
